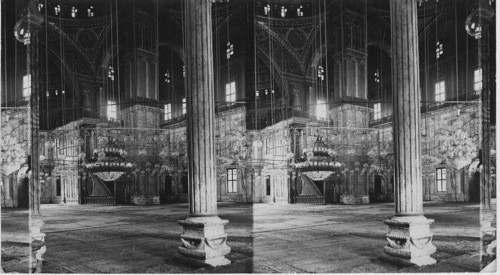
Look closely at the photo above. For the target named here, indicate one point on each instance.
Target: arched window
(74, 11)
(111, 73)
(377, 111)
(283, 11)
(185, 186)
(376, 76)
(321, 109)
(232, 180)
(90, 11)
(300, 13)
(321, 72)
(111, 110)
(58, 187)
(267, 9)
(439, 49)
(268, 186)
(229, 50)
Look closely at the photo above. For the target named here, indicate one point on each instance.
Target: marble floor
(263, 238)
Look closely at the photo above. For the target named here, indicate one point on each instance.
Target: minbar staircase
(310, 194)
(100, 193)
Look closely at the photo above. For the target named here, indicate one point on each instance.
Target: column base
(57, 200)
(154, 200)
(354, 199)
(71, 200)
(37, 244)
(410, 240)
(487, 218)
(8, 202)
(204, 241)
(488, 237)
(139, 200)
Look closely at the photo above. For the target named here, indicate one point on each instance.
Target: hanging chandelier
(109, 164)
(317, 175)
(320, 161)
(474, 22)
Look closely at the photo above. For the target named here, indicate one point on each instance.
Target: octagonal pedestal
(354, 199)
(204, 241)
(139, 200)
(410, 240)
(488, 237)
(38, 247)
(153, 200)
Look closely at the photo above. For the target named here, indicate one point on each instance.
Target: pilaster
(350, 50)
(6, 196)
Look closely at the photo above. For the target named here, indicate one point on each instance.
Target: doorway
(23, 193)
(474, 183)
(378, 184)
(121, 192)
(330, 192)
(166, 190)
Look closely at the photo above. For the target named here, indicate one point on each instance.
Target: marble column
(26, 31)
(409, 238)
(204, 238)
(485, 52)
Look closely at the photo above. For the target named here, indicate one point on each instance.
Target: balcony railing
(223, 107)
(219, 108)
(431, 107)
(172, 121)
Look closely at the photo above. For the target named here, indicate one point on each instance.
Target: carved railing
(174, 120)
(309, 199)
(223, 107)
(100, 200)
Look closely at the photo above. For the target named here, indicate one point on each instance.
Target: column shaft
(34, 182)
(406, 104)
(200, 103)
(485, 54)
(37, 238)
(203, 227)
(486, 44)
(409, 239)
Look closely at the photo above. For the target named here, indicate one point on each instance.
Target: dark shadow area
(15, 240)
